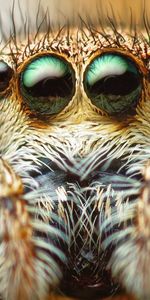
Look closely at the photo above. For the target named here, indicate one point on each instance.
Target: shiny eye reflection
(6, 74)
(47, 84)
(113, 83)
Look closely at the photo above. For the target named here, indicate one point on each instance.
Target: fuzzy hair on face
(74, 174)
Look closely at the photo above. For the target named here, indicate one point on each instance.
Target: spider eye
(113, 83)
(5, 75)
(47, 84)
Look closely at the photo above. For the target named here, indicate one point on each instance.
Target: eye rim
(7, 88)
(139, 64)
(23, 66)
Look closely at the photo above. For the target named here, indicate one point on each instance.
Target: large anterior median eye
(47, 84)
(113, 83)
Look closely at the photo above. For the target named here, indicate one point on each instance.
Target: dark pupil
(116, 84)
(5, 76)
(55, 87)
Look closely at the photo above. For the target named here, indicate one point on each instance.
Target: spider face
(74, 173)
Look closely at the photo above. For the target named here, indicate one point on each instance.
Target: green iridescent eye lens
(47, 84)
(113, 83)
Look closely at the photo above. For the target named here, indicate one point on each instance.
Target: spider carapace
(75, 164)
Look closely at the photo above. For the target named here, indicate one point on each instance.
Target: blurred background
(62, 11)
